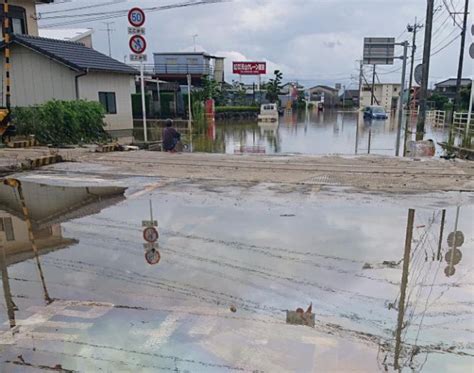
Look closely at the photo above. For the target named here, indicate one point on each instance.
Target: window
(7, 227)
(107, 99)
(192, 61)
(18, 19)
(171, 61)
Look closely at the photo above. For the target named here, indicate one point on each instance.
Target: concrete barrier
(41, 161)
(107, 148)
(22, 143)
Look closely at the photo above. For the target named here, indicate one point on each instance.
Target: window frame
(104, 99)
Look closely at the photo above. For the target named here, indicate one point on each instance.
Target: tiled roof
(73, 54)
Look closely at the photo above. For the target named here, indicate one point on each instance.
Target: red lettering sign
(250, 68)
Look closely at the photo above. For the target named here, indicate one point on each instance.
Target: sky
(310, 41)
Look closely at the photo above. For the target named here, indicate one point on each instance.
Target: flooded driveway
(329, 132)
(233, 261)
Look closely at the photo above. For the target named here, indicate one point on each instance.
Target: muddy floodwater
(233, 260)
(329, 132)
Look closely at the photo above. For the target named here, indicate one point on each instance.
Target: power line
(80, 8)
(89, 17)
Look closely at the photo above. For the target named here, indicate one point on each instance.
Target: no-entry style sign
(136, 17)
(137, 44)
(150, 234)
(152, 256)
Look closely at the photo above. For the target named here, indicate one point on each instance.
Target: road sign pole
(400, 104)
(142, 83)
(467, 136)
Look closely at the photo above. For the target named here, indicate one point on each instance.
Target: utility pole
(412, 28)
(420, 126)
(361, 73)
(403, 287)
(457, 98)
(400, 104)
(109, 32)
(194, 41)
(372, 96)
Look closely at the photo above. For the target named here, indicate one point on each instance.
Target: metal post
(467, 137)
(441, 230)
(372, 96)
(7, 40)
(370, 138)
(400, 104)
(403, 288)
(457, 98)
(159, 94)
(14, 183)
(420, 126)
(142, 84)
(357, 134)
(6, 288)
(190, 116)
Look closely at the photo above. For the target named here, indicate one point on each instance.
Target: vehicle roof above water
(269, 106)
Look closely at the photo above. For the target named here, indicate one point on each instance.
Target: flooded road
(329, 132)
(233, 261)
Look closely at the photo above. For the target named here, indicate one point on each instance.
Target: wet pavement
(233, 260)
(316, 133)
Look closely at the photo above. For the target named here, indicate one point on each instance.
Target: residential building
(322, 93)
(350, 97)
(23, 15)
(447, 87)
(291, 87)
(45, 69)
(385, 94)
(175, 67)
(82, 35)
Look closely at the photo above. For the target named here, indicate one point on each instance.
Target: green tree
(274, 87)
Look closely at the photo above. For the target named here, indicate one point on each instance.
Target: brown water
(329, 132)
(258, 250)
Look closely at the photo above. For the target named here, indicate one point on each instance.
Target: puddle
(232, 265)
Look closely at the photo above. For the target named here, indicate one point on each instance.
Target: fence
(460, 120)
(436, 118)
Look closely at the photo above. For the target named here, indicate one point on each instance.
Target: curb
(22, 143)
(107, 148)
(41, 161)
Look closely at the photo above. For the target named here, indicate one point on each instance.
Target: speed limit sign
(150, 234)
(136, 17)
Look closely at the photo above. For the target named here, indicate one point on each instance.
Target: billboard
(379, 51)
(249, 68)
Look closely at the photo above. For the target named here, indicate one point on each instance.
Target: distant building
(82, 35)
(285, 90)
(23, 16)
(447, 87)
(350, 97)
(322, 93)
(385, 94)
(174, 67)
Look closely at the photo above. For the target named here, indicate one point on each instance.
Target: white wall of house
(36, 79)
(122, 85)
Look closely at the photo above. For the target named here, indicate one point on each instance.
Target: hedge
(62, 122)
(237, 109)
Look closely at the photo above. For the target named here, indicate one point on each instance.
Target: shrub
(237, 109)
(62, 122)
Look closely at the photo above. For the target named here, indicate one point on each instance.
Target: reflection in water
(30, 217)
(219, 290)
(311, 132)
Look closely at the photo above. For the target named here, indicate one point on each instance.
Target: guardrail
(436, 118)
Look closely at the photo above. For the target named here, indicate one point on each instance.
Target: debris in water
(300, 317)
(367, 266)
(233, 308)
(287, 215)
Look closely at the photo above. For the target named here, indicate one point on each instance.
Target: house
(385, 94)
(46, 69)
(350, 97)
(175, 67)
(294, 88)
(447, 87)
(82, 35)
(325, 94)
(23, 15)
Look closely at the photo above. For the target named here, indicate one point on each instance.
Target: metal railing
(176, 69)
(436, 118)
(460, 120)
